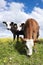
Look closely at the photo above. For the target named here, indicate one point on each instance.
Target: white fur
(8, 25)
(29, 44)
(19, 28)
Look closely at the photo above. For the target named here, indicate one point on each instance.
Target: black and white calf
(17, 30)
(12, 27)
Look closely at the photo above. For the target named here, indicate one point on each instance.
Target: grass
(12, 53)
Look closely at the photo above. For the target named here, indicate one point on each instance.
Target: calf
(31, 29)
(12, 27)
(31, 33)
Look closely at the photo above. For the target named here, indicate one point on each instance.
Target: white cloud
(2, 4)
(37, 13)
(15, 12)
(16, 6)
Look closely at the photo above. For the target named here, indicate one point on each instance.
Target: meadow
(13, 53)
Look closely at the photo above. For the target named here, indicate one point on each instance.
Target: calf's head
(7, 25)
(10, 25)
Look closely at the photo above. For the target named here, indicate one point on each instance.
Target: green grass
(13, 53)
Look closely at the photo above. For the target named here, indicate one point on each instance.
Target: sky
(19, 11)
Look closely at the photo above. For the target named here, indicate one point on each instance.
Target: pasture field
(13, 53)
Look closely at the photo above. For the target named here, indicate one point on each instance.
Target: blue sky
(30, 4)
(19, 11)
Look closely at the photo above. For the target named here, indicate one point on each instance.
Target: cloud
(16, 6)
(15, 12)
(2, 4)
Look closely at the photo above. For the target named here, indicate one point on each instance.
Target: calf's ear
(4, 23)
(12, 23)
(21, 24)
